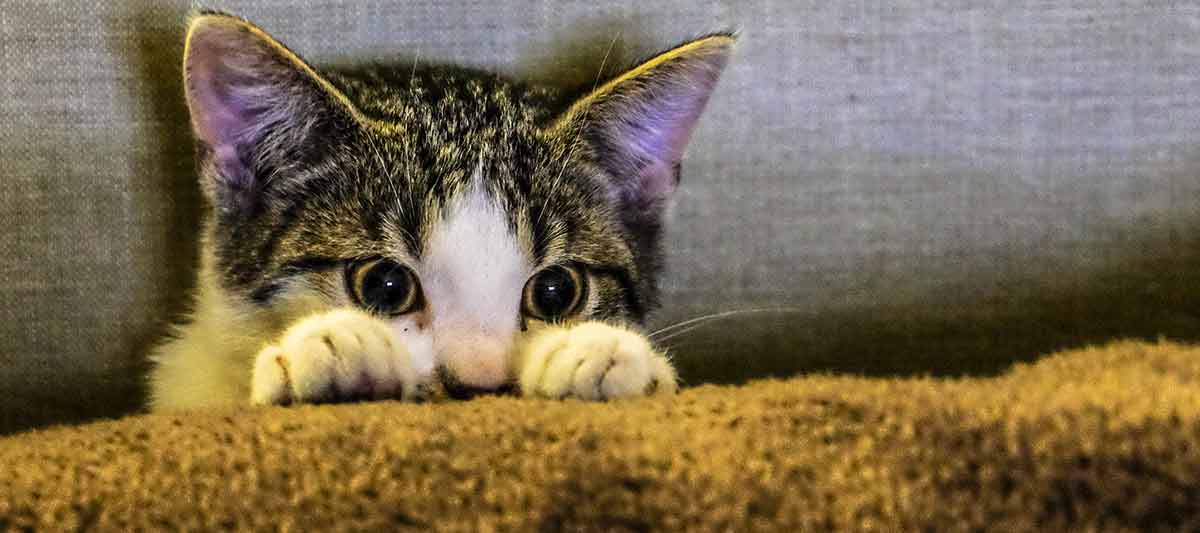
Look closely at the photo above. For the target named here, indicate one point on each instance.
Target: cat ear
(256, 107)
(638, 124)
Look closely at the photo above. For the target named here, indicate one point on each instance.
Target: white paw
(593, 361)
(337, 356)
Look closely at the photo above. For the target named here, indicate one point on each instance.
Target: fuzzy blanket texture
(1102, 438)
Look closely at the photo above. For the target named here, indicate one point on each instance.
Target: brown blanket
(1105, 438)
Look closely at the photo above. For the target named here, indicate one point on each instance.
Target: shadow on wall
(171, 167)
(1147, 298)
(166, 186)
(587, 54)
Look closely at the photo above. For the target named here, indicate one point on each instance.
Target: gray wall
(928, 187)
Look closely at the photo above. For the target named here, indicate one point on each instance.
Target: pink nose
(477, 361)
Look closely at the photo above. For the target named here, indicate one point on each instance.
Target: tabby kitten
(371, 232)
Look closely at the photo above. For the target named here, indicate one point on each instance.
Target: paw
(342, 355)
(593, 361)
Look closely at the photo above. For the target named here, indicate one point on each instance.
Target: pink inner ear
(645, 133)
(217, 115)
(221, 81)
(659, 129)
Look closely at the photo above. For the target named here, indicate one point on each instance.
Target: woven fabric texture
(1071, 443)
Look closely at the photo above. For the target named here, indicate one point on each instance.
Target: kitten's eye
(553, 293)
(385, 287)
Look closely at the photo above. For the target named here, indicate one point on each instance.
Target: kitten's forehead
(447, 103)
(473, 267)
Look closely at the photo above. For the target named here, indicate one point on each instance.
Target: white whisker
(701, 320)
(678, 333)
(416, 59)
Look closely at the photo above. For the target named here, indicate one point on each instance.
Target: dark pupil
(553, 292)
(385, 287)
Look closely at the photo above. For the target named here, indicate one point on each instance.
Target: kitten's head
(461, 208)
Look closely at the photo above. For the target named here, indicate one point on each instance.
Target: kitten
(372, 232)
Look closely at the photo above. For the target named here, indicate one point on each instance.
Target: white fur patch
(419, 343)
(473, 272)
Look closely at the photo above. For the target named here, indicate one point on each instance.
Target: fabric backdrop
(926, 186)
